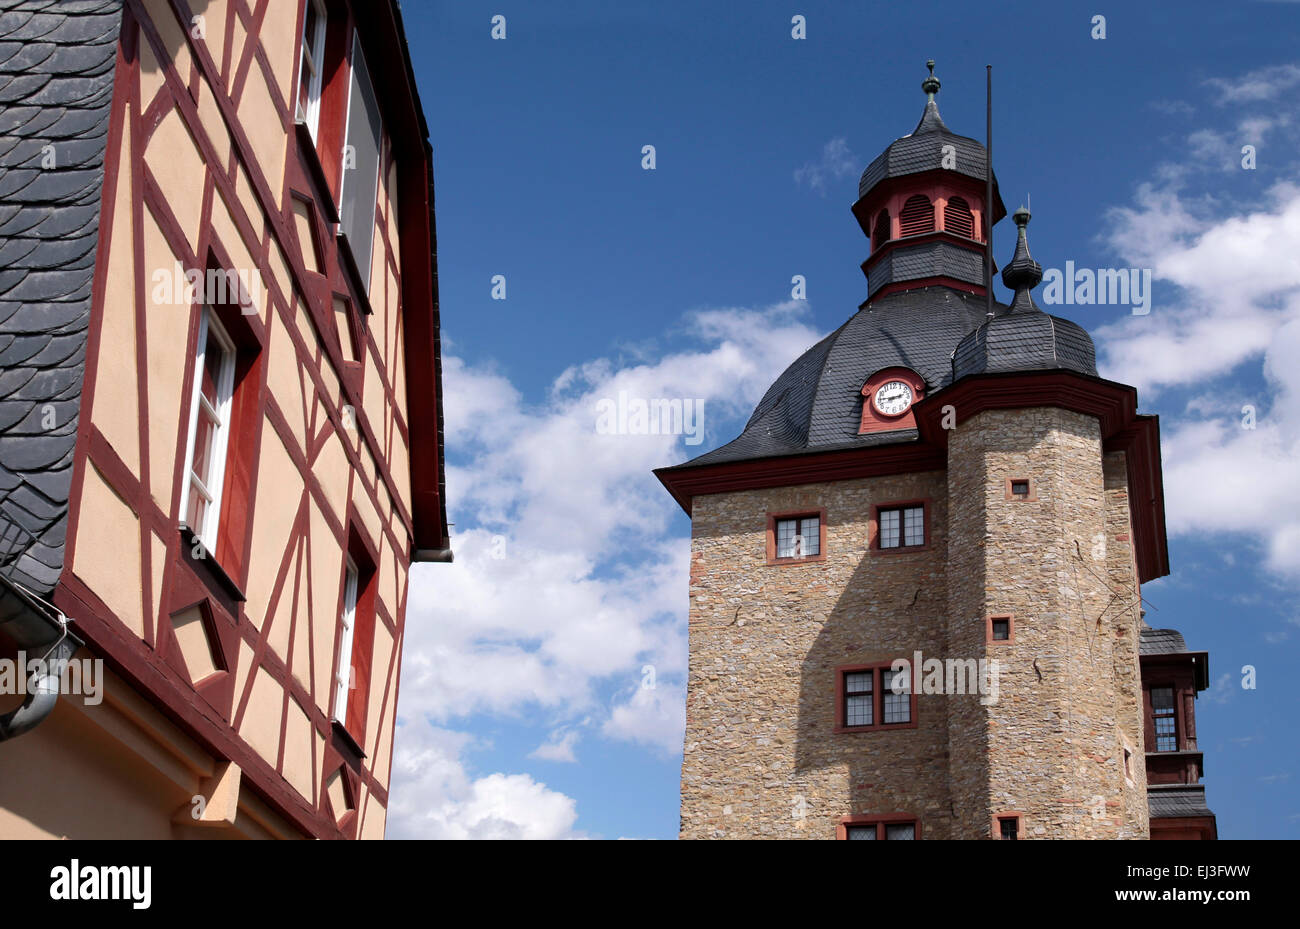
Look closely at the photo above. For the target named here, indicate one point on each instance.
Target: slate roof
(922, 150)
(1182, 800)
(1161, 642)
(56, 84)
(816, 405)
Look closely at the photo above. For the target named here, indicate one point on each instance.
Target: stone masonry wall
(761, 759)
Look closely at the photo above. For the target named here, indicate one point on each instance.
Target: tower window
(901, 526)
(958, 219)
(917, 216)
(1162, 712)
(796, 537)
(880, 233)
(1021, 488)
(874, 697)
(855, 828)
(1000, 629)
(1006, 826)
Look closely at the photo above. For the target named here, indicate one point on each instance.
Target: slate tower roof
(940, 331)
(56, 83)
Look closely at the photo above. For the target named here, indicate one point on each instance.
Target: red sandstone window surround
(879, 826)
(866, 701)
(999, 629)
(1008, 825)
(796, 537)
(1021, 488)
(899, 526)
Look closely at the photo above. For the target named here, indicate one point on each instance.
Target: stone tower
(937, 484)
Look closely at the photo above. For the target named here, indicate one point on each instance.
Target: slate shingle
(56, 87)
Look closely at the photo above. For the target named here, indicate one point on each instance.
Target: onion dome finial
(931, 84)
(1023, 274)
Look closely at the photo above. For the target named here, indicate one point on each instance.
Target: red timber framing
(215, 583)
(1114, 405)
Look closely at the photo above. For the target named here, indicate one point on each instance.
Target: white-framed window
(343, 673)
(309, 71)
(363, 139)
(209, 432)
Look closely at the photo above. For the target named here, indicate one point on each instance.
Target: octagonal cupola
(921, 205)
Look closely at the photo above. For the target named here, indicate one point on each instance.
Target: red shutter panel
(958, 219)
(917, 216)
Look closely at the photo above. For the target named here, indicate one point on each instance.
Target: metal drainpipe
(42, 693)
(30, 625)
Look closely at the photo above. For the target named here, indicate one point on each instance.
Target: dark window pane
(900, 831)
(1007, 828)
(862, 832)
(1001, 630)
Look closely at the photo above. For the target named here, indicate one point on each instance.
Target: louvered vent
(917, 216)
(881, 233)
(957, 218)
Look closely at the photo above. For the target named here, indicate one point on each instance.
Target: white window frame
(347, 622)
(312, 54)
(207, 532)
(358, 54)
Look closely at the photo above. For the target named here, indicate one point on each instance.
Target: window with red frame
(798, 537)
(352, 669)
(901, 526)
(221, 433)
(881, 830)
(1008, 828)
(875, 697)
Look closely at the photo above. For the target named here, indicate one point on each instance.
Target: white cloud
(1224, 330)
(652, 716)
(568, 577)
(835, 164)
(559, 747)
(1265, 83)
(432, 797)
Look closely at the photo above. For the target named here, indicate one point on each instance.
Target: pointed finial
(1023, 274)
(931, 84)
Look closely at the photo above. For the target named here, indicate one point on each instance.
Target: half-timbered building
(220, 411)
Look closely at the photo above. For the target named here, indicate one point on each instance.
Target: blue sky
(523, 710)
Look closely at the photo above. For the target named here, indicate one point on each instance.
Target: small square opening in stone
(1020, 488)
(1001, 630)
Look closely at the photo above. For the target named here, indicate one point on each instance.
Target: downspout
(38, 626)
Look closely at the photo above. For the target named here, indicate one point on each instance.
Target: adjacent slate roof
(56, 84)
(1161, 642)
(1182, 800)
(816, 405)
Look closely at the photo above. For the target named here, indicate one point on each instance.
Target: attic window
(880, 234)
(958, 219)
(917, 216)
